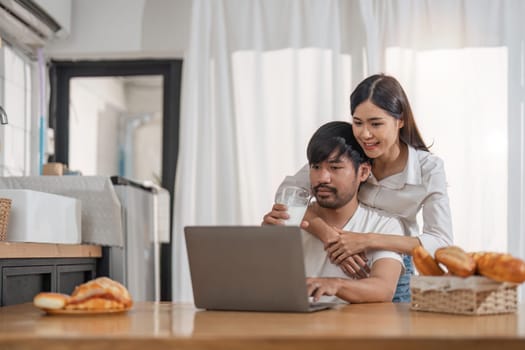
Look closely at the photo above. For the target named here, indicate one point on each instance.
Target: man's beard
(334, 202)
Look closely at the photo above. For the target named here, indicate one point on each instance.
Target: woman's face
(376, 131)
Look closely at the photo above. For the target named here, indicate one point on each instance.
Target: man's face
(334, 181)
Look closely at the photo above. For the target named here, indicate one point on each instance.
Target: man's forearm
(379, 287)
(367, 290)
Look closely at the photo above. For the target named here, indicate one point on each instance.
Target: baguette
(456, 260)
(501, 267)
(476, 256)
(425, 264)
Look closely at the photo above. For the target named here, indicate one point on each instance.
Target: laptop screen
(259, 268)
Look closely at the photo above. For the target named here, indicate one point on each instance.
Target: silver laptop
(249, 268)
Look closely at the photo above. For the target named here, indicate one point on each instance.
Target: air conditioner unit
(30, 24)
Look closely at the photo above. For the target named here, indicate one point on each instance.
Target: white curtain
(450, 56)
(462, 64)
(261, 75)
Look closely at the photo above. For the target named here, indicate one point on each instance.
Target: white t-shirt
(421, 186)
(365, 219)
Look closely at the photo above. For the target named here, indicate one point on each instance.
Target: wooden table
(176, 326)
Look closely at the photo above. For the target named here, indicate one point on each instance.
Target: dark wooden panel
(21, 284)
(70, 276)
(22, 279)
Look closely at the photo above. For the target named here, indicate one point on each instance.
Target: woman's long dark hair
(386, 93)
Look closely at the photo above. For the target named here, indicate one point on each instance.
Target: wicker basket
(474, 295)
(5, 209)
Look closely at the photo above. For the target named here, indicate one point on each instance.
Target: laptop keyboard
(321, 306)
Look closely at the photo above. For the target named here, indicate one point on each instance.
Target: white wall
(102, 29)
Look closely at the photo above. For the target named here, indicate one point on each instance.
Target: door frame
(60, 74)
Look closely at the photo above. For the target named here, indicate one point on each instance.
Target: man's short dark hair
(335, 136)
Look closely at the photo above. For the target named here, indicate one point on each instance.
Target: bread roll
(456, 260)
(52, 301)
(425, 264)
(502, 267)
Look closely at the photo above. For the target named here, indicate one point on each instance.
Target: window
(15, 97)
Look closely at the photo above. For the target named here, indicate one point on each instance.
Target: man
(337, 168)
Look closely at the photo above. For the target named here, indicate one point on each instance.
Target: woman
(406, 179)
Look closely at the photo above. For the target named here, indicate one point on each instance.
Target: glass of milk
(296, 198)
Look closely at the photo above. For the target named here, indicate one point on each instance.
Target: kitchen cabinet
(22, 279)
(27, 269)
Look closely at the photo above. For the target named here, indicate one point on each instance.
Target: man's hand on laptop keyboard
(317, 287)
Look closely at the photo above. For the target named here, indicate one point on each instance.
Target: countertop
(11, 250)
(151, 325)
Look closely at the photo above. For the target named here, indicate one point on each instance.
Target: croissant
(99, 294)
